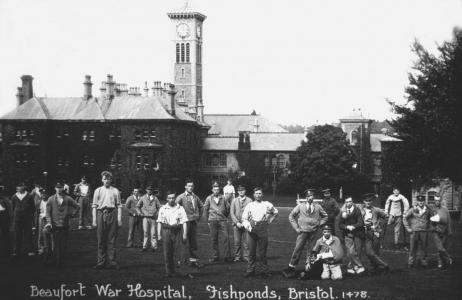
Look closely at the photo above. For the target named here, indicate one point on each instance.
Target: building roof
(231, 124)
(119, 108)
(186, 11)
(355, 115)
(378, 138)
(259, 141)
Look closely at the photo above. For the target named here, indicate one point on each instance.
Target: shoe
(405, 248)
(144, 249)
(440, 266)
(249, 274)
(351, 271)
(89, 227)
(114, 266)
(237, 259)
(40, 251)
(289, 272)
(214, 259)
(98, 266)
(360, 270)
(31, 254)
(80, 228)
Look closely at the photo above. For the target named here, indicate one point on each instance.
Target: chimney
(200, 112)
(110, 85)
(102, 89)
(165, 89)
(20, 96)
(146, 89)
(256, 126)
(132, 91)
(171, 95)
(27, 89)
(87, 87)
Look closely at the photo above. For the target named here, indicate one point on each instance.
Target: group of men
(333, 234)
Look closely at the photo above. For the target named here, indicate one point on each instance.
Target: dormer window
(92, 136)
(85, 136)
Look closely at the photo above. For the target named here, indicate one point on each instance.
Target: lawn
(147, 269)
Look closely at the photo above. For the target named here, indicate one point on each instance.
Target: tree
(325, 160)
(430, 123)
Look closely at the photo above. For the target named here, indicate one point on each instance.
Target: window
(281, 161)
(85, 136)
(199, 54)
(21, 135)
(153, 134)
(222, 160)
(138, 135)
(215, 160)
(138, 162)
(177, 52)
(146, 134)
(92, 136)
(182, 94)
(88, 161)
(182, 52)
(187, 52)
(208, 160)
(267, 161)
(146, 161)
(60, 161)
(182, 72)
(354, 138)
(1, 136)
(31, 134)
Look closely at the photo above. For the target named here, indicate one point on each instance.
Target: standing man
(59, 208)
(351, 224)
(396, 207)
(241, 247)
(216, 211)
(42, 221)
(193, 208)
(83, 193)
(373, 218)
(229, 192)
(171, 225)
(417, 223)
(5, 223)
(148, 208)
(441, 231)
(134, 219)
(306, 219)
(107, 212)
(330, 206)
(256, 217)
(23, 214)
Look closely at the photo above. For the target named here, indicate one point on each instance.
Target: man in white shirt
(396, 207)
(171, 223)
(42, 244)
(229, 192)
(255, 218)
(107, 217)
(82, 192)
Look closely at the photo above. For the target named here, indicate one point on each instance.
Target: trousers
(23, 234)
(241, 246)
(59, 236)
(85, 211)
(370, 244)
(134, 226)
(218, 228)
(419, 247)
(170, 237)
(440, 240)
(353, 247)
(302, 239)
(257, 239)
(106, 234)
(149, 232)
(331, 271)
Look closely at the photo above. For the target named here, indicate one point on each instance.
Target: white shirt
(2, 208)
(216, 199)
(368, 215)
(169, 215)
(60, 199)
(106, 197)
(83, 189)
(257, 211)
(21, 196)
(229, 189)
(309, 207)
(43, 209)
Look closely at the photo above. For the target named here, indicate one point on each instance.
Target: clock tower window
(187, 52)
(182, 73)
(177, 52)
(182, 52)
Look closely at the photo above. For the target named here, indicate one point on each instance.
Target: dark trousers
(5, 232)
(370, 245)
(106, 234)
(241, 246)
(302, 239)
(85, 214)
(218, 228)
(134, 226)
(23, 234)
(60, 236)
(257, 239)
(419, 246)
(441, 244)
(170, 237)
(191, 242)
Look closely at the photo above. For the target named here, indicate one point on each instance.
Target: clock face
(182, 30)
(199, 31)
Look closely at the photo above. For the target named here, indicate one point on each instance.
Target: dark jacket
(193, 210)
(237, 209)
(378, 217)
(216, 211)
(331, 207)
(147, 208)
(130, 205)
(444, 225)
(58, 215)
(23, 209)
(8, 212)
(355, 219)
(417, 222)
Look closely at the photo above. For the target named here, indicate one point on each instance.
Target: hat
(241, 188)
(310, 190)
(327, 227)
(150, 187)
(420, 198)
(84, 177)
(215, 184)
(21, 184)
(59, 185)
(324, 191)
(368, 197)
(42, 191)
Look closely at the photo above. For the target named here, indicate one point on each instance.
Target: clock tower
(187, 48)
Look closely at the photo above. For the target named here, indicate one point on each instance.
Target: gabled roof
(75, 108)
(378, 138)
(230, 125)
(259, 141)
(221, 143)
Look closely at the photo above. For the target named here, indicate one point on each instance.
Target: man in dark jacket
(5, 223)
(306, 219)
(441, 231)
(216, 211)
(241, 247)
(60, 207)
(330, 206)
(23, 215)
(350, 222)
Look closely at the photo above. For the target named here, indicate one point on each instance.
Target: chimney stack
(27, 89)
(20, 96)
(171, 95)
(146, 89)
(102, 89)
(110, 85)
(87, 84)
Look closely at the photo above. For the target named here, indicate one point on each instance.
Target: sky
(296, 62)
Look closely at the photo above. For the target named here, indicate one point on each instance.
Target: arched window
(354, 140)
(182, 52)
(177, 52)
(187, 52)
(182, 72)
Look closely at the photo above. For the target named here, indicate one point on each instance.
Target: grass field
(147, 269)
